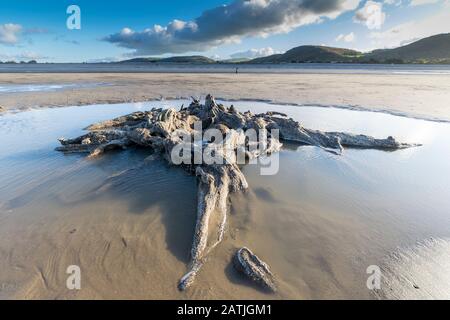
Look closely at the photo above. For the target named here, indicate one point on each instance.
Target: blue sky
(112, 30)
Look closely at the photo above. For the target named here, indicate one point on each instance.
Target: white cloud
(255, 53)
(346, 37)
(229, 23)
(393, 2)
(422, 2)
(9, 33)
(105, 60)
(414, 30)
(372, 15)
(27, 55)
(30, 55)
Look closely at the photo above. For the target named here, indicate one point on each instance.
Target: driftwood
(162, 130)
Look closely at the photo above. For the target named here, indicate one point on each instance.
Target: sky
(95, 31)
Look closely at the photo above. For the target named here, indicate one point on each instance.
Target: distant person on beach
(237, 70)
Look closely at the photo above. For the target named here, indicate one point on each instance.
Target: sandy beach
(421, 96)
(319, 222)
(128, 223)
(225, 155)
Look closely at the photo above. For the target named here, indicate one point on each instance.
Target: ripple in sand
(418, 272)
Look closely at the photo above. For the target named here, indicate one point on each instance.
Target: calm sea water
(320, 222)
(228, 68)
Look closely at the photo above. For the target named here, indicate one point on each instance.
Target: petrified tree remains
(163, 131)
(257, 270)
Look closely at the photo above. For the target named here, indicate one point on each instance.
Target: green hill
(434, 49)
(317, 54)
(176, 59)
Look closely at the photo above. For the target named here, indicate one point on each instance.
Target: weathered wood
(254, 268)
(161, 130)
(215, 184)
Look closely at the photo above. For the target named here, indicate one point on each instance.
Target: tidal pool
(14, 88)
(320, 222)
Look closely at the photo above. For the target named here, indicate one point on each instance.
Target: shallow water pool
(320, 222)
(14, 88)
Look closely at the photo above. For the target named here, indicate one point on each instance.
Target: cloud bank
(229, 23)
(27, 55)
(9, 33)
(254, 53)
(372, 15)
(411, 31)
(346, 37)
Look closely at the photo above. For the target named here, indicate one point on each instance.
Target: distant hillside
(315, 54)
(21, 62)
(180, 59)
(434, 49)
(139, 60)
(235, 60)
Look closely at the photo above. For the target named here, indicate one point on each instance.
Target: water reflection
(319, 222)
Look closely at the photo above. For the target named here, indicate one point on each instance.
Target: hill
(176, 59)
(434, 49)
(316, 54)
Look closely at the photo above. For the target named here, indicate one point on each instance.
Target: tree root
(160, 130)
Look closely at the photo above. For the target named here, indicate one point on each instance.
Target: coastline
(414, 96)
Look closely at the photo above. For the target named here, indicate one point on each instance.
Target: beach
(423, 96)
(319, 222)
(211, 152)
(128, 222)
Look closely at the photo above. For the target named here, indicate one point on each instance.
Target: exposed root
(215, 184)
(254, 268)
(162, 131)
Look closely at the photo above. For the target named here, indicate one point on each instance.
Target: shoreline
(275, 103)
(414, 96)
(229, 68)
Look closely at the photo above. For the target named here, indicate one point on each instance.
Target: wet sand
(422, 96)
(319, 223)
